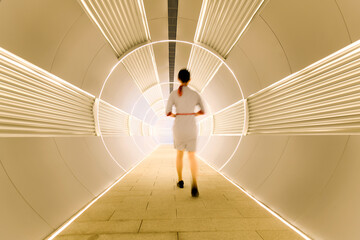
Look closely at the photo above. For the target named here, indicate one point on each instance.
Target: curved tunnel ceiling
(306, 169)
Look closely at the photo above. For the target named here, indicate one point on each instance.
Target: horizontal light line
(58, 231)
(259, 203)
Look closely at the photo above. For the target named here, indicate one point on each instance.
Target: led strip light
(303, 235)
(203, 67)
(37, 103)
(230, 121)
(122, 22)
(222, 23)
(142, 67)
(113, 121)
(124, 56)
(59, 230)
(72, 219)
(323, 98)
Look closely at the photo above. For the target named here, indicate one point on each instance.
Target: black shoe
(194, 192)
(180, 184)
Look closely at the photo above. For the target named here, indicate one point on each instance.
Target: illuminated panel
(135, 126)
(153, 94)
(159, 108)
(112, 120)
(222, 22)
(206, 126)
(34, 102)
(230, 121)
(323, 98)
(122, 22)
(145, 129)
(202, 66)
(142, 68)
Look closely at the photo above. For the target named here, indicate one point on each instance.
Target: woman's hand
(199, 113)
(170, 114)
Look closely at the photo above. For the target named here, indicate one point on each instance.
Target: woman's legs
(193, 167)
(179, 163)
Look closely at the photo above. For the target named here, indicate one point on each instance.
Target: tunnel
(83, 90)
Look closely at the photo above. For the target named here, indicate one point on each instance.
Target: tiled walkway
(146, 204)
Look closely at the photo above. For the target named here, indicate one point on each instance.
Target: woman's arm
(169, 105)
(201, 105)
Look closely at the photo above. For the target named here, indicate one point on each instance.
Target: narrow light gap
(298, 231)
(172, 28)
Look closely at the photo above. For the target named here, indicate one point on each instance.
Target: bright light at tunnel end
(142, 45)
(259, 203)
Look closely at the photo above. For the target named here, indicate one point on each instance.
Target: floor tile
(177, 225)
(139, 236)
(146, 204)
(98, 227)
(279, 235)
(243, 235)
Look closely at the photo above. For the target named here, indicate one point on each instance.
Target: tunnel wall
(46, 180)
(306, 179)
(309, 180)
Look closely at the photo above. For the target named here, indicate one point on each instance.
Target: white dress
(184, 129)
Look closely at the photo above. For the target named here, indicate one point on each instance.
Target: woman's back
(186, 102)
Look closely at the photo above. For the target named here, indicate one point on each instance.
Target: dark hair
(184, 75)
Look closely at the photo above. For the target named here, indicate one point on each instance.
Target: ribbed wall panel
(323, 98)
(135, 126)
(34, 102)
(159, 108)
(112, 121)
(206, 126)
(230, 121)
(122, 22)
(142, 68)
(145, 129)
(222, 22)
(202, 66)
(153, 94)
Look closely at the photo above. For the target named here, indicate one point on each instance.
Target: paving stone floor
(146, 205)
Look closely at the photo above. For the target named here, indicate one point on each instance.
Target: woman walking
(184, 129)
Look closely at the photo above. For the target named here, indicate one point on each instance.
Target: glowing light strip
(245, 27)
(237, 146)
(201, 19)
(96, 116)
(178, 41)
(65, 225)
(83, 3)
(259, 203)
(279, 83)
(97, 119)
(132, 136)
(211, 77)
(246, 117)
(322, 98)
(41, 73)
(221, 110)
(167, 41)
(204, 14)
(109, 27)
(144, 18)
(211, 133)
